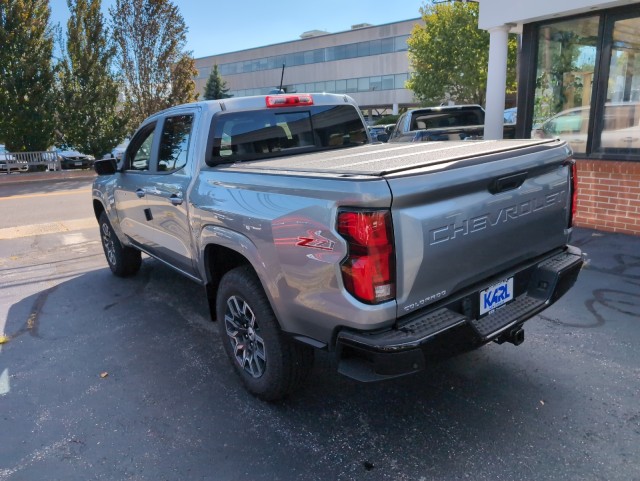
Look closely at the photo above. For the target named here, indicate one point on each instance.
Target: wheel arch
(219, 260)
(223, 250)
(98, 208)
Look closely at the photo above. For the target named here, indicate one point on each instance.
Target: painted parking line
(4, 382)
(48, 228)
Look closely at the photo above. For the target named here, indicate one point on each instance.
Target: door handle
(140, 193)
(175, 199)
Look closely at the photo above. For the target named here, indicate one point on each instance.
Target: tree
(150, 38)
(183, 87)
(216, 88)
(450, 54)
(88, 118)
(27, 95)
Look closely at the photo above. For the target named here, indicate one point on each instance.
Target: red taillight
(288, 100)
(368, 271)
(574, 190)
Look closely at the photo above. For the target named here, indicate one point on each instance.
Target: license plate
(78, 163)
(495, 296)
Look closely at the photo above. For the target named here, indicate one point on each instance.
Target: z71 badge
(316, 240)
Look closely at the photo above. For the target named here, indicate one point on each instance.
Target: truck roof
(260, 102)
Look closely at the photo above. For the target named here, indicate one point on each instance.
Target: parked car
(511, 115)
(72, 159)
(118, 150)
(16, 167)
(446, 122)
(620, 127)
(380, 132)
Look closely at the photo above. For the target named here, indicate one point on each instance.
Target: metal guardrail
(15, 160)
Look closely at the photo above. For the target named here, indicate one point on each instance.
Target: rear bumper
(14, 167)
(372, 356)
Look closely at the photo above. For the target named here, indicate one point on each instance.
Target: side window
(174, 143)
(397, 130)
(139, 151)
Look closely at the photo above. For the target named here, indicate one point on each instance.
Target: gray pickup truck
(305, 235)
(448, 122)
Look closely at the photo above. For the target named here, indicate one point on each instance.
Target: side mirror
(383, 137)
(105, 166)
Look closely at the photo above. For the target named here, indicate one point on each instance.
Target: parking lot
(104, 378)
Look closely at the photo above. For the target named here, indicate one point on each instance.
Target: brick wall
(609, 196)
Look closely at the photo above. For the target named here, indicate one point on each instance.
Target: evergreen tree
(27, 94)
(88, 117)
(150, 39)
(450, 54)
(216, 88)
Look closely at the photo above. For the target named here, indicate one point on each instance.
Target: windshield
(446, 119)
(252, 135)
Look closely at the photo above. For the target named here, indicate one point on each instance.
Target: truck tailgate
(466, 222)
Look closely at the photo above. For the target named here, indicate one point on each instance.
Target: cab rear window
(257, 134)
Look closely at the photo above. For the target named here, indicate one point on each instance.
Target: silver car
(9, 167)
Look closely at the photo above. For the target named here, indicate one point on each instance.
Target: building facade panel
(494, 13)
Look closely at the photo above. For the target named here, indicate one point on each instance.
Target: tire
(270, 364)
(123, 261)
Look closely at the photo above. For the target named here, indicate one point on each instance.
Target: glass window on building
(388, 83)
(400, 80)
(565, 69)
(308, 57)
(364, 49)
(375, 83)
(585, 74)
(400, 43)
(620, 132)
(387, 45)
(375, 47)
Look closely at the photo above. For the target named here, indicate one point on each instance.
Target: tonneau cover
(385, 159)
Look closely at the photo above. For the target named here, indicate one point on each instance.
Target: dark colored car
(72, 159)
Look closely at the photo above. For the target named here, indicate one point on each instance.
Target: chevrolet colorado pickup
(305, 235)
(450, 122)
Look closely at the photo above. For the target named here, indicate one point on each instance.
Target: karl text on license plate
(496, 296)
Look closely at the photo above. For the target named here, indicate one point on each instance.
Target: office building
(369, 63)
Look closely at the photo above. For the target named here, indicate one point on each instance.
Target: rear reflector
(368, 272)
(288, 100)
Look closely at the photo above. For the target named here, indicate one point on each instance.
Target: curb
(22, 177)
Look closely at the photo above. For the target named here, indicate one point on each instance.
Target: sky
(220, 27)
